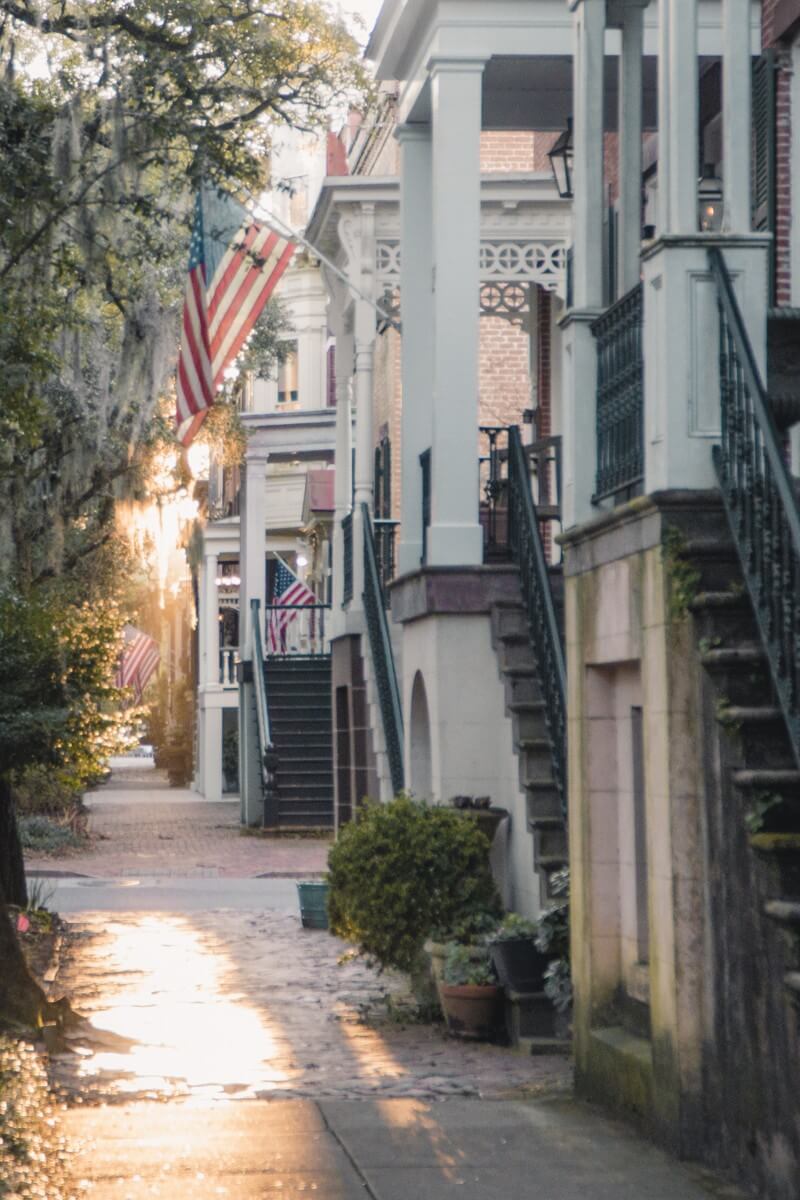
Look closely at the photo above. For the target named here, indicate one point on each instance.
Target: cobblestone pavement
(140, 826)
(221, 1005)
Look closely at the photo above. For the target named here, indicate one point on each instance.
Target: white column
(343, 480)
(456, 94)
(211, 621)
(416, 303)
(736, 119)
(252, 525)
(587, 208)
(630, 148)
(681, 68)
(211, 751)
(364, 357)
(663, 119)
(579, 360)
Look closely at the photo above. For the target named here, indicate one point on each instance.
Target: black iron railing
(300, 630)
(267, 758)
(620, 399)
(760, 500)
(347, 548)
(494, 491)
(382, 657)
(425, 467)
(528, 552)
(385, 530)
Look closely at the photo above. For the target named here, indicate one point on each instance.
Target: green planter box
(313, 899)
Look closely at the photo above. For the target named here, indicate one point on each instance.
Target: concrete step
(549, 843)
(515, 655)
(787, 782)
(521, 687)
(784, 912)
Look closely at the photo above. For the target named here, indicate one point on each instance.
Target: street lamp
(561, 158)
(709, 200)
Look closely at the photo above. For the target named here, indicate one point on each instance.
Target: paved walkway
(227, 1052)
(140, 826)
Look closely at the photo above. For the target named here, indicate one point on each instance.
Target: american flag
(140, 658)
(287, 590)
(235, 263)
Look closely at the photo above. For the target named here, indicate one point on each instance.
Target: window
(287, 377)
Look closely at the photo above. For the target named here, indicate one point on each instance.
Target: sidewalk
(376, 1150)
(141, 826)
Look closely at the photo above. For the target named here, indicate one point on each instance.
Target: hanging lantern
(561, 159)
(709, 200)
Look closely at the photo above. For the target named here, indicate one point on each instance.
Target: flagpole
(337, 271)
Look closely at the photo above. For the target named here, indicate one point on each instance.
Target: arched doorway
(420, 780)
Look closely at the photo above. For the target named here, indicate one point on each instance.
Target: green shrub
(39, 789)
(461, 968)
(552, 938)
(46, 834)
(402, 869)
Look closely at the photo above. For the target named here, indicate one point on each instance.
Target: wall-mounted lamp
(561, 159)
(709, 200)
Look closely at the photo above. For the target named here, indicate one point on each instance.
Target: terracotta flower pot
(472, 1010)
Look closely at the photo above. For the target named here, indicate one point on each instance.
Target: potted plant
(473, 930)
(519, 964)
(470, 994)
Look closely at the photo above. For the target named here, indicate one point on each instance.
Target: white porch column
(456, 92)
(210, 618)
(363, 363)
(590, 26)
(736, 104)
(681, 71)
(253, 558)
(579, 381)
(416, 305)
(630, 148)
(343, 481)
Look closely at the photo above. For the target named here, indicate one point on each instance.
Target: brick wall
(504, 372)
(783, 83)
(505, 151)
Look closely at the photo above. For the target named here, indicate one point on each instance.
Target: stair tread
(748, 653)
(743, 714)
(787, 912)
(535, 743)
(729, 599)
(709, 547)
(753, 776)
(523, 706)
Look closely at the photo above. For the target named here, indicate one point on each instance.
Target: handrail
(266, 751)
(620, 398)
(382, 657)
(528, 552)
(760, 500)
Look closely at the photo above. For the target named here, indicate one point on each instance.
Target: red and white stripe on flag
(289, 593)
(219, 316)
(139, 660)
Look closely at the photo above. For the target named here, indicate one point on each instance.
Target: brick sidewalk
(139, 826)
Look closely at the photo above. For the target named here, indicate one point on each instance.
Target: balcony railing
(384, 536)
(347, 554)
(300, 630)
(380, 643)
(760, 500)
(620, 399)
(425, 467)
(493, 471)
(228, 661)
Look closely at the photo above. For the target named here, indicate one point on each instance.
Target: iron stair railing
(527, 552)
(382, 657)
(760, 500)
(347, 552)
(267, 758)
(620, 398)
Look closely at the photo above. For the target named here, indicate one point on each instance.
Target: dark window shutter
(764, 151)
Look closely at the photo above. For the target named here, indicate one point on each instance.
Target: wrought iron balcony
(620, 399)
(347, 548)
(384, 534)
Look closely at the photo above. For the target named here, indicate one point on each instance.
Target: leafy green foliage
(44, 790)
(402, 869)
(552, 938)
(513, 926)
(463, 967)
(45, 835)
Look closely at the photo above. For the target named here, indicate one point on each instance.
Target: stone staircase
(757, 754)
(532, 745)
(299, 700)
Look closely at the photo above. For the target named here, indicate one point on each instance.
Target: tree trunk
(12, 867)
(22, 1001)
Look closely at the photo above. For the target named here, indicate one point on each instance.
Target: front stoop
(532, 744)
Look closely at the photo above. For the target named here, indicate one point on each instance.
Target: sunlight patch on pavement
(188, 1032)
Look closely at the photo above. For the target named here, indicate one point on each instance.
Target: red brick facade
(774, 16)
